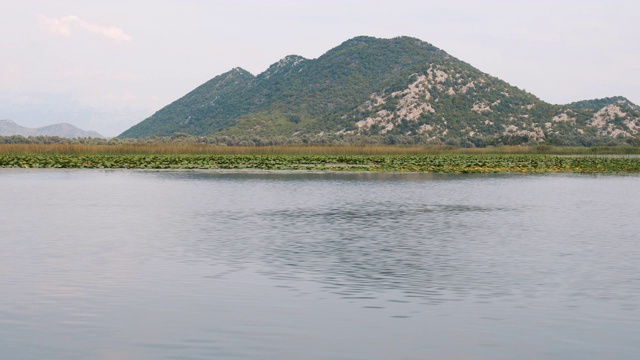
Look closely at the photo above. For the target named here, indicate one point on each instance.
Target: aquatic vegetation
(434, 159)
(432, 163)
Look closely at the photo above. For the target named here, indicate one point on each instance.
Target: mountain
(9, 128)
(371, 87)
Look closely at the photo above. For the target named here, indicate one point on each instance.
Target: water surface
(201, 265)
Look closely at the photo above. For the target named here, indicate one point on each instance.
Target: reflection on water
(373, 246)
(197, 265)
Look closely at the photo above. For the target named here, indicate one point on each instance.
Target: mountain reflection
(375, 247)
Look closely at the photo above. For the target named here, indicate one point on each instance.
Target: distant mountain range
(9, 128)
(369, 86)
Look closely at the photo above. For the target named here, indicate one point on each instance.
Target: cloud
(67, 24)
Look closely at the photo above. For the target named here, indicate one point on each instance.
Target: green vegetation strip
(438, 163)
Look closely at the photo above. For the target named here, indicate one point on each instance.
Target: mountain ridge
(10, 128)
(368, 86)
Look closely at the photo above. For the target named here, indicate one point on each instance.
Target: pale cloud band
(67, 24)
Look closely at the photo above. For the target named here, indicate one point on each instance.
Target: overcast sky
(106, 65)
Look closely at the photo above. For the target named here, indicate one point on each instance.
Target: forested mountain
(385, 87)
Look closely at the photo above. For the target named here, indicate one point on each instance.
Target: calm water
(188, 265)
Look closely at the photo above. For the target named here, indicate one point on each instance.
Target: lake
(259, 265)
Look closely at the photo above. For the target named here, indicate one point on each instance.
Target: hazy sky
(106, 65)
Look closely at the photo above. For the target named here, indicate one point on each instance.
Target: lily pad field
(378, 159)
